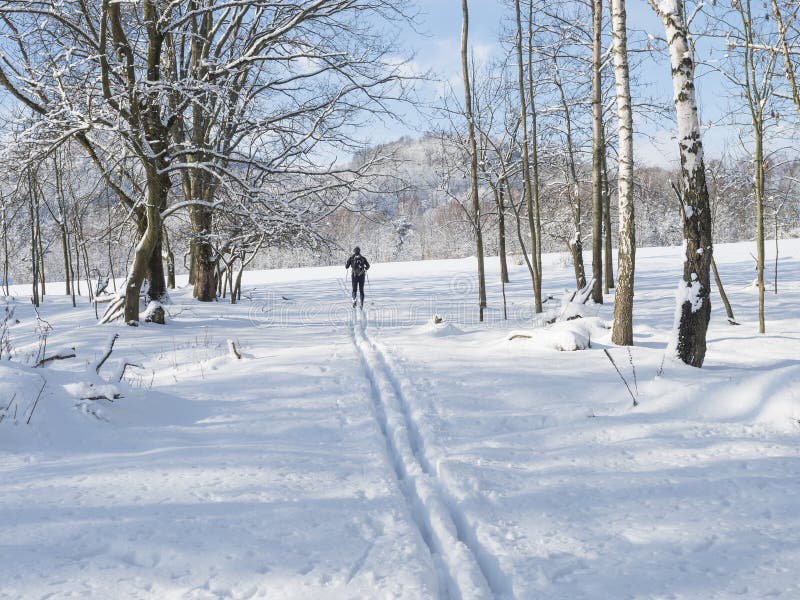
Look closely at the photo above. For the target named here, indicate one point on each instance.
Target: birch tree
(693, 301)
(626, 258)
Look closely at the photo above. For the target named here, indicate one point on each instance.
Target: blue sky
(438, 48)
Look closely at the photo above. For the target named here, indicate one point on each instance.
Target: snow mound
(438, 327)
(767, 397)
(564, 336)
(86, 389)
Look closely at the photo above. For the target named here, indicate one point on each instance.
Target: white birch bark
(626, 260)
(693, 305)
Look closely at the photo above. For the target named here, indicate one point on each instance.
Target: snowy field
(377, 455)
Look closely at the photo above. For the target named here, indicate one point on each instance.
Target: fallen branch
(109, 350)
(121, 372)
(608, 354)
(35, 402)
(58, 356)
(5, 410)
(579, 296)
(582, 295)
(233, 350)
(102, 397)
(633, 368)
(114, 311)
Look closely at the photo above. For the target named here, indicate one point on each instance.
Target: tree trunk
(622, 333)
(72, 277)
(191, 263)
(757, 87)
(170, 257)
(530, 262)
(6, 262)
(575, 244)
(204, 261)
(536, 223)
(775, 288)
(575, 248)
(693, 305)
(608, 270)
(156, 278)
(787, 58)
(76, 274)
(110, 255)
(597, 153)
(526, 162)
(758, 133)
(147, 262)
(65, 251)
(39, 241)
(501, 227)
(87, 269)
(34, 254)
(237, 290)
(473, 150)
(721, 289)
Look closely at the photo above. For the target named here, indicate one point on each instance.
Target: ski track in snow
(378, 457)
(465, 570)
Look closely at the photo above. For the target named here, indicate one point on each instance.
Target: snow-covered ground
(382, 456)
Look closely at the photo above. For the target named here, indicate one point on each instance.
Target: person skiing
(359, 265)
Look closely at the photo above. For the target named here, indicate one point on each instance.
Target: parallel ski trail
(461, 574)
(487, 562)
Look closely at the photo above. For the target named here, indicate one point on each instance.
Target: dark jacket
(357, 262)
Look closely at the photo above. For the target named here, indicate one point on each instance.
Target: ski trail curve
(461, 574)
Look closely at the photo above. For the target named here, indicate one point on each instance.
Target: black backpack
(359, 265)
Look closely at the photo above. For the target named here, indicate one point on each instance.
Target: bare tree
(219, 94)
(693, 310)
(783, 21)
(757, 71)
(722, 183)
(572, 184)
(473, 156)
(531, 196)
(626, 258)
(598, 151)
(608, 257)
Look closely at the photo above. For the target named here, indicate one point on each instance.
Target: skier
(359, 265)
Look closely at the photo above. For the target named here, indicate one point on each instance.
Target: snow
(441, 328)
(383, 455)
(564, 336)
